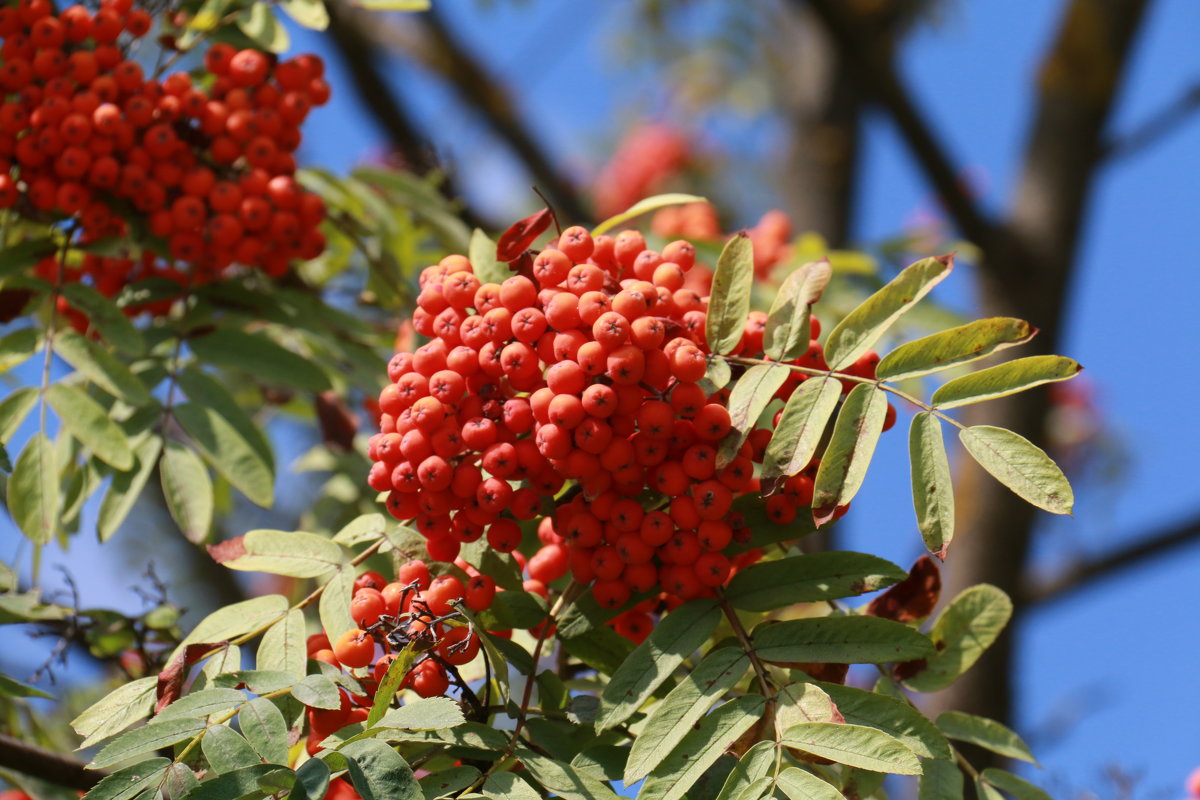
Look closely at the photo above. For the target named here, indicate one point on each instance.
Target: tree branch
(869, 62)
(47, 765)
(357, 48)
(1086, 571)
(1156, 127)
(428, 41)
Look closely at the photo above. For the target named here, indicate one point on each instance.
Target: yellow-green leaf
(800, 428)
(956, 346)
(284, 646)
(101, 367)
(932, 487)
(259, 356)
(747, 400)
(800, 785)
(33, 490)
(863, 326)
(334, 607)
(106, 317)
(228, 451)
(482, 255)
(258, 22)
(839, 640)
(844, 464)
(126, 487)
(788, 330)
(296, 554)
(188, 491)
(309, 13)
(84, 418)
(729, 300)
(1005, 379)
(854, 745)
(963, 631)
(17, 347)
(1021, 466)
(1014, 785)
(985, 733)
(643, 206)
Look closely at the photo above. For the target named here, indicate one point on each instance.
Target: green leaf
(675, 638)
(228, 451)
(509, 786)
(426, 714)
(701, 746)
(985, 733)
(266, 730)
(729, 301)
(89, 423)
(240, 783)
(1005, 379)
(891, 715)
(798, 784)
(564, 780)
(788, 330)
(11, 687)
(839, 640)
(1016, 786)
(932, 484)
(116, 711)
(645, 206)
(188, 491)
(514, 609)
(14, 409)
(18, 346)
(235, 620)
(447, 782)
(126, 487)
(204, 390)
(294, 554)
(106, 317)
(33, 490)
(941, 780)
(682, 708)
(854, 745)
(258, 22)
(963, 631)
(317, 691)
(309, 13)
(100, 367)
(18, 257)
(956, 346)
(863, 326)
(364, 529)
(844, 463)
(179, 780)
(484, 264)
(800, 428)
(284, 646)
(1021, 466)
(334, 606)
(259, 355)
(758, 761)
(747, 401)
(803, 702)
(809, 578)
(312, 780)
(985, 791)
(145, 739)
(201, 704)
(126, 783)
(379, 773)
(226, 674)
(716, 375)
(396, 673)
(226, 750)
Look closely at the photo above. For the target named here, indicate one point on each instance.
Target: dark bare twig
(29, 759)
(1156, 127)
(869, 63)
(1085, 572)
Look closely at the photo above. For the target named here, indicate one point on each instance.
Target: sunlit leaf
(863, 326)
(848, 454)
(952, 347)
(1021, 466)
(962, 632)
(33, 490)
(985, 733)
(645, 206)
(295, 554)
(380, 773)
(809, 578)
(126, 487)
(260, 356)
(747, 401)
(228, 451)
(729, 301)
(839, 640)
(932, 484)
(789, 330)
(1005, 379)
(800, 785)
(854, 745)
(804, 419)
(258, 22)
(188, 491)
(1014, 785)
(101, 367)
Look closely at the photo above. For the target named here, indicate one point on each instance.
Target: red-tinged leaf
(228, 550)
(170, 680)
(914, 597)
(521, 234)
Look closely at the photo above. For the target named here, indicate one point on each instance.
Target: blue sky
(1121, 655)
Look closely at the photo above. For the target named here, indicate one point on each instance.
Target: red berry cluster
(588, 370)
(206, 166)
(415, 608)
